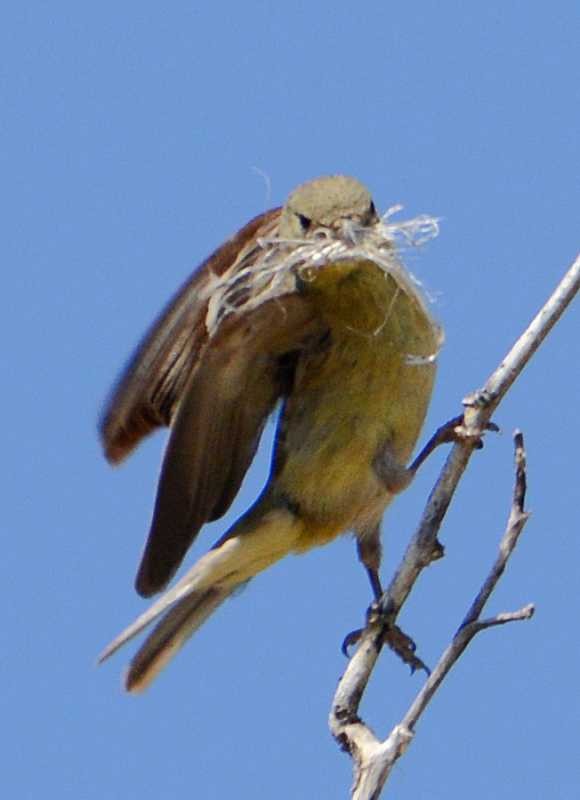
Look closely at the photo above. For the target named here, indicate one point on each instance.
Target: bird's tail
(259, 539)
(170, 635)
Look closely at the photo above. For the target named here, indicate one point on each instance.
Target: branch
(373, 759)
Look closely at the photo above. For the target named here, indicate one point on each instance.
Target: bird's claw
(451, 432)
(349, 640)
(391, 635)
(404, 647)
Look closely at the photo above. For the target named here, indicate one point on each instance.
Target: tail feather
(259, 539)
(181, 590)
(169, 636)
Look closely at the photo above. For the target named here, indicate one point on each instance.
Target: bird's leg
(449, 432)
(369, 553)
(369, 550)
(395, 477)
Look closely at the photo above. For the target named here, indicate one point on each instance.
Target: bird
(309, 308)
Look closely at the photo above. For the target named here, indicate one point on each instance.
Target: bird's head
(338, 204)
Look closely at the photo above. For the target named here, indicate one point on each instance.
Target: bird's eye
(371, 215)
(305, 222)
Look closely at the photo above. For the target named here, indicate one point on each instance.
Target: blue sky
(134, 137)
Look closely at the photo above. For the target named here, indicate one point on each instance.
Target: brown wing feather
(150, 387)
(241, 375)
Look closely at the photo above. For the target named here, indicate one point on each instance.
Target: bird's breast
(362, 387)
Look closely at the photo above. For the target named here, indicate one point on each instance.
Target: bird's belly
(335, 429)
(361, 393)
(329, 475)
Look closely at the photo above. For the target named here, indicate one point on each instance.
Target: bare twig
(373, 759)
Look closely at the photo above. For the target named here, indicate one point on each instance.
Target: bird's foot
(350, 640)
(402, 644)
(449, 433)
(389, 634)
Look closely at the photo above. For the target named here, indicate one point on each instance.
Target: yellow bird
(309, 305)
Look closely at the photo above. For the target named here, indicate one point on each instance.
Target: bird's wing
(245, 368)
(152, 384)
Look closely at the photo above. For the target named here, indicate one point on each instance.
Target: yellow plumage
(349, 345)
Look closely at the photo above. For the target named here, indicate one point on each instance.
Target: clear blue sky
(133, 136)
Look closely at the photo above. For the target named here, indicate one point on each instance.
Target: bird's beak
(351, 230)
